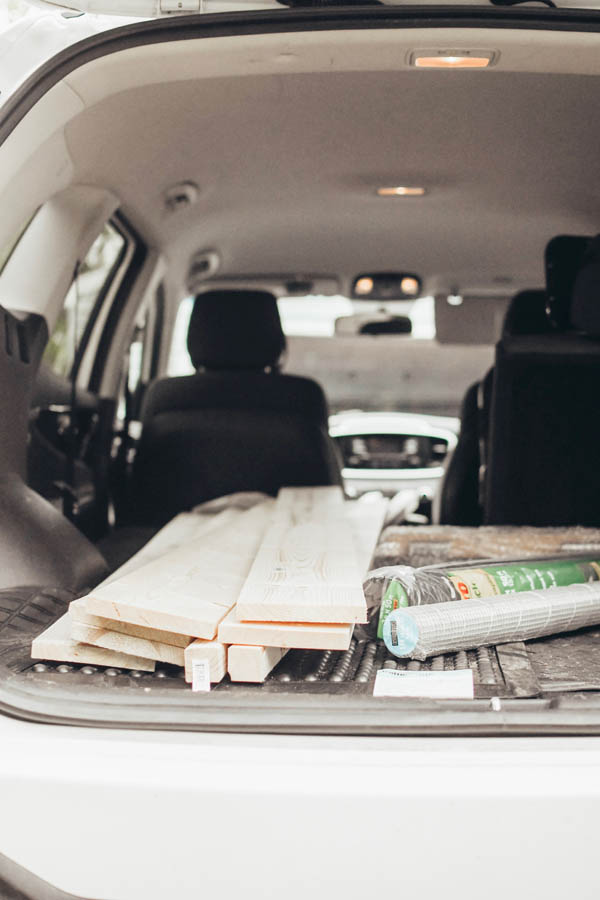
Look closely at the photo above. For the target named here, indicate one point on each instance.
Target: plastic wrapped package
(426, 631)
(417, 546)
(394, 587)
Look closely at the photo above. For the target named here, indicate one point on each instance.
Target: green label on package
(394, 597)
(489, 581)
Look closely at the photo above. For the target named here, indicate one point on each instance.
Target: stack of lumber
(236, 589)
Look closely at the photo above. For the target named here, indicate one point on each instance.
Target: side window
(80, 303)
(140, 364)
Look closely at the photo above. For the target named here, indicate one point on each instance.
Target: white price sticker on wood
(201, 675)
(451, 685)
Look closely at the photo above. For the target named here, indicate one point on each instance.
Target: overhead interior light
(401, 191)
(409, 285)
(364, 286)
(453, 59)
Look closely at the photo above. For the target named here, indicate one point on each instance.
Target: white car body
(123, 814)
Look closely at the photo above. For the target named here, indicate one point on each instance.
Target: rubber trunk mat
(563, 663)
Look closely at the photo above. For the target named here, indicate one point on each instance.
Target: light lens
(400, 191)
(452, 62)
(409, 286)
(364, 286)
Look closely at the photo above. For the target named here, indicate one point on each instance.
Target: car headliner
(288, 137)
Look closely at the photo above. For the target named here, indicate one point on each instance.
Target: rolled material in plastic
(423, 631)
(391, 587)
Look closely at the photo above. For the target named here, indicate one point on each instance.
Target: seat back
(461, 496)
(545, 416)
(237, 424)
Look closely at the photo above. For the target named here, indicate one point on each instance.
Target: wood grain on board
(56, 643)
(191, 588)
(126, 643)
(366, 520)
(306, 568)
(78, 612)
(252, 664)
(303, 635)
(183, 528)
(214, 652)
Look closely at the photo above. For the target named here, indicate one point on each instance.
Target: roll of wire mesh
(422, 631)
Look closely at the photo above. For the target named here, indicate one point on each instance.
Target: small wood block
(252, 663)
(213, 651)
(307, 636)
(189, 590)
(56, 643)
(306, 568)
(126, 643)
(78, 612)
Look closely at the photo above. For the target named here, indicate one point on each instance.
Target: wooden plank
(183, 528)
(252, 663)
(78, 612)
(305, 635)
(306, 568)
(56, 643)
(213, 651)
(190, 589)
(366, 520)
(127, 643)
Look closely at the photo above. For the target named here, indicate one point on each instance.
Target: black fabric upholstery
(461, 491)
(545, 430)
(527, 314)
(230, 429)
(212, 434)
(563, 258)
(585, 302)
(235, 330)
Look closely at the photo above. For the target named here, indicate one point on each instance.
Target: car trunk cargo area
(546, 686)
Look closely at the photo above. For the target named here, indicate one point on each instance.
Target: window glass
(315, 317)
(344, 346)
(79, 303)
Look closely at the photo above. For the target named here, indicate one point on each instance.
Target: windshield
(328, 340)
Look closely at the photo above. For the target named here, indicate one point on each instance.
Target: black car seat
(238, 423)
(545, 411)
(461, 491)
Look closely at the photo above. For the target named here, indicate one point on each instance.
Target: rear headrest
(527, 314)
(585, 300)
(235, 330)
(563, 258)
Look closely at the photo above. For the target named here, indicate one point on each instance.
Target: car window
(95, 274)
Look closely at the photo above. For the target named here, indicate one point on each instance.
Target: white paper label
(452, 685)
(200, 675)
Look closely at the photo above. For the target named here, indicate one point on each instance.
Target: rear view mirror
(386, 286)
(393, 325)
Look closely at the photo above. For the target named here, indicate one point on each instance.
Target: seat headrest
(235, 330)
(563, 258)
(585, 300)
(527, 314)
